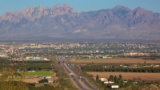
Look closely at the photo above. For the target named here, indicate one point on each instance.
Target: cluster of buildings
(140, 66)
(35, 59)
(109, 84)
(90, 50)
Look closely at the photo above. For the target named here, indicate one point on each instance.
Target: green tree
(111, 78)
(120, 80)
(120, 77)
(115, 79)
(43, 81)
(97, 78)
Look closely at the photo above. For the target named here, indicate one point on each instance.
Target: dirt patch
(34, 80)
(128, 76)
(114, 61)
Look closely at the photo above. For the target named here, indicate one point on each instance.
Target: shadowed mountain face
(62, 21)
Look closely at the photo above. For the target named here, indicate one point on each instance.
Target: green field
(37, 73)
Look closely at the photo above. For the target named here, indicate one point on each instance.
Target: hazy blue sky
(80, 5)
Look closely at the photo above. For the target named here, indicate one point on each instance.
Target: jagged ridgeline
(62, 21)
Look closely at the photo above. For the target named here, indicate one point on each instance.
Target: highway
(79, 81)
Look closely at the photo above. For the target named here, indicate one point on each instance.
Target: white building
(103, 79)
(114, 86)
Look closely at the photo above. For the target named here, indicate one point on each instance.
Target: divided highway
(80, 82)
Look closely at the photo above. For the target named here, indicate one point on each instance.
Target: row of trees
(26, 66)
(117, 80)
(102, 69)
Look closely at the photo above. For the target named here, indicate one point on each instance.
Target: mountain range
(62, 21)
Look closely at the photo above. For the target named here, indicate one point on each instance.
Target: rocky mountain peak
(120, 8)
(40, 8)
(63, 21)
(33, 13)
(139, 12)
(63, 8)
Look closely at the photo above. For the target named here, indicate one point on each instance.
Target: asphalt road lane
(81, 83)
